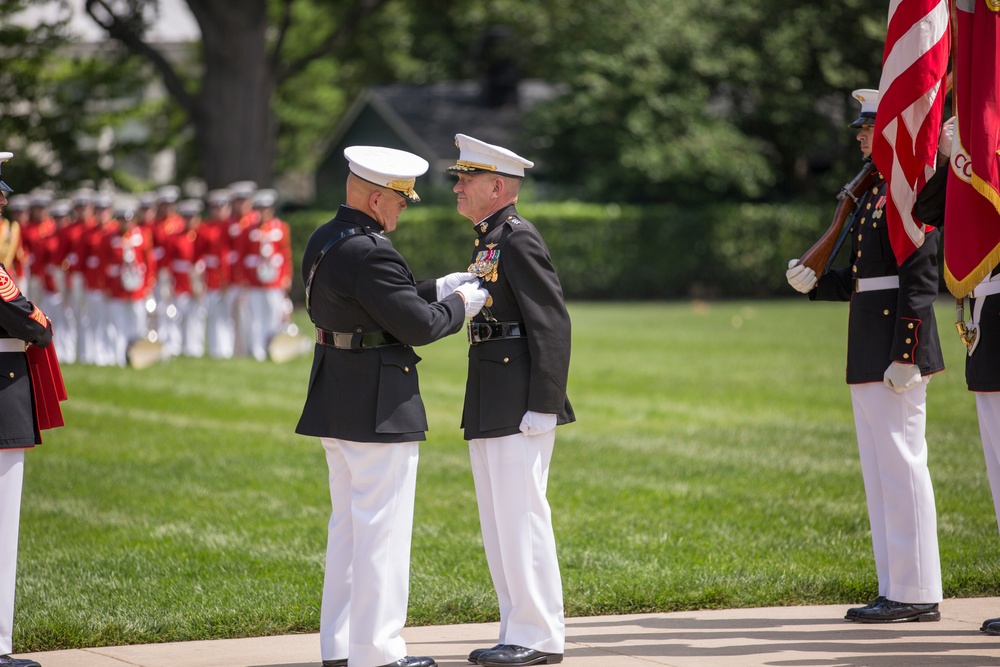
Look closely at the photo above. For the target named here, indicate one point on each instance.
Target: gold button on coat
(406, 369)
(885, 312)
(506, 360)
(906, 356)
(909, 340)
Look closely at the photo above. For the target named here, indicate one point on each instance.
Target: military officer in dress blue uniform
(514, 398)
(892, 350)
(364, 401)
(21, 323)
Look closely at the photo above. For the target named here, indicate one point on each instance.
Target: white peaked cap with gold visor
(387, 168)
(475, 156)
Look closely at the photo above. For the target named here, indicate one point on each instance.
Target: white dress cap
(102, 199)
(264, 198)
(190, 207)
(869, 101)
(168, 194)
(242, 189)
(478, 156)
(387, 168)
(219, 197)
(4, 156)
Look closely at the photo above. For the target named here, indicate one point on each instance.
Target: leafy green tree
(57, 100)
(686, 100)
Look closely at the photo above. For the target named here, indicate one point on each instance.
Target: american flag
(910, 107)
(972, 213)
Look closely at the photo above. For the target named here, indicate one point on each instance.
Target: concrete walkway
(777, 636)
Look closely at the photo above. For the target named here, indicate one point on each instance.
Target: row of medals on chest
(485, 265)
(876, 216)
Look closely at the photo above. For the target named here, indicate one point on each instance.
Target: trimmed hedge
(622, 252)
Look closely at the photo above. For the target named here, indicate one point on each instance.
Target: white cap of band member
(219, 197)
(4, 156)
(189, 208)
(242, 189)
(869, 102)
(168, 194)
(265, 198)
(387, 168)
(476, 156)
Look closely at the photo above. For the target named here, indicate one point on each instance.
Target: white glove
(536, 423)
(947, 136)
(474, 297)
(800, 276)
(447, 284)
(900, 376)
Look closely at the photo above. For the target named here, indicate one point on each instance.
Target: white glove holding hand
(474, 297)
(947, 137)
(900, 377)
(800, 276)
(447, 284)
(536, 423)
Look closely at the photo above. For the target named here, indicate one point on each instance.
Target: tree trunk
(235, 126)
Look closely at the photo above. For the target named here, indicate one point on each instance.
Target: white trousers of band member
(63, 325)
(219, 325)
(11, 479)
(191, 322)
(129, 320)
(511, 474)
(366, 586)
(263, 318)
(94, 339)
(988, 408)
(893, 448)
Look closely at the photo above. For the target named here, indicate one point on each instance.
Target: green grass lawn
(713, 464)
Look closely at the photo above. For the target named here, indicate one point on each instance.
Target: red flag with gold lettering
(910, 107)
(972, 208)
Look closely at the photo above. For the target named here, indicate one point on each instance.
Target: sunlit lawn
(713, 465)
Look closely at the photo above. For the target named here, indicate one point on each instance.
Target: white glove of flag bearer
(899, 376)
(447, 284)
(800, 276)
(474, 297)
(536, 423)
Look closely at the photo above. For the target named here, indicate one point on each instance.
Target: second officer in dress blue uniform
(514, 398)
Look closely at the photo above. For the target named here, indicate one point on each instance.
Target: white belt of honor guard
(876, 284)
(11, 345)
(987, 287)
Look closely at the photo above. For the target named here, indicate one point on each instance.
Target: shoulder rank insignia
(8, 289)
(513, 219)
(485, 264)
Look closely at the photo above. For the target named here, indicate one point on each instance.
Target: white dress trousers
(366, 586)
(11, 479)
(893, 448)
(988, 408)
(219, 325)
(511, 474)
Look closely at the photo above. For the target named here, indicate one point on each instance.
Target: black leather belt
(355, 341)
(480, 332)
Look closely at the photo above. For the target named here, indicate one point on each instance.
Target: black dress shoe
(412, 661)
(7, 661)
(898, 612)
(518, 656)
(335, 663)
(992, 628)
(988, 622)
(852, 613)
(476, 652)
